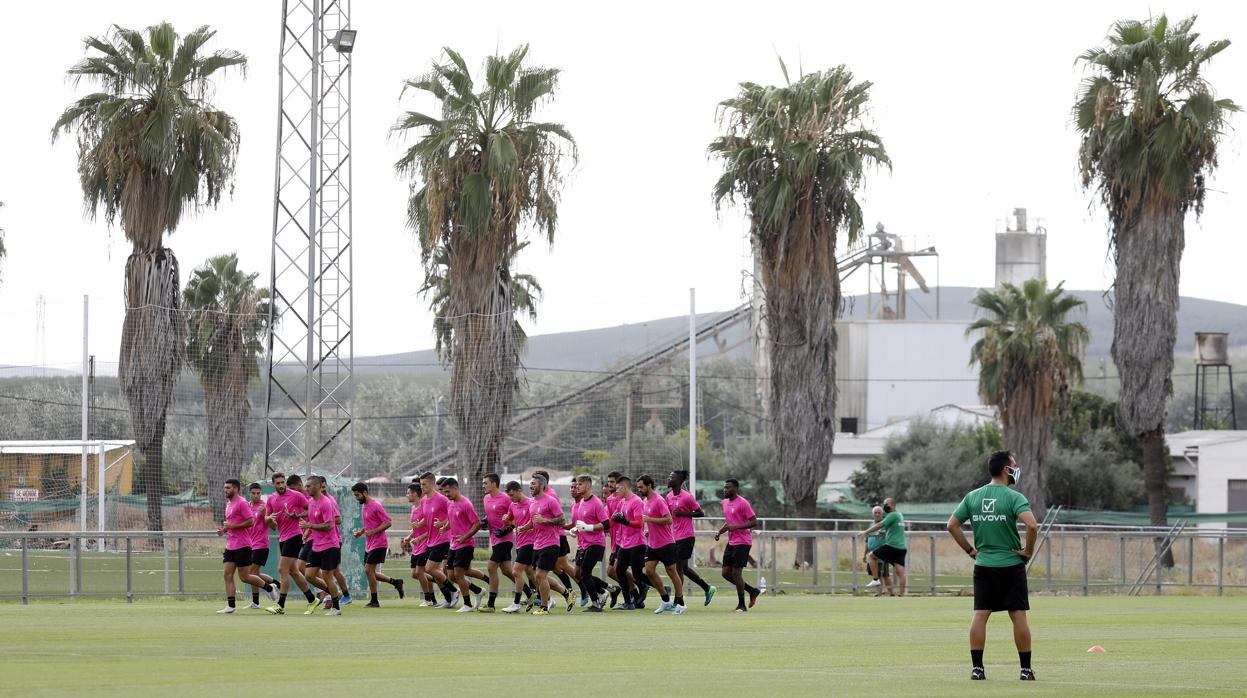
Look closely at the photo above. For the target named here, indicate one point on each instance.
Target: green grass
(790, 645)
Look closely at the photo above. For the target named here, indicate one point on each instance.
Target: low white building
(1210, 468)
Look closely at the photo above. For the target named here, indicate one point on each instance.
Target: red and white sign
(25, 494)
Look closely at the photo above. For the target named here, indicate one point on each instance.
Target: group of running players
(528, 536)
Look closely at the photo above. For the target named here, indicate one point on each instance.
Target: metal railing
(1084, 560)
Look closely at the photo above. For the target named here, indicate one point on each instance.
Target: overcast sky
(971, 99)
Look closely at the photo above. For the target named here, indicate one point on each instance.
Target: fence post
(1221, 564)
(77, 565)
(181, 568)
(1061, 573)
(932, 564)
(814, 545)
(1121, 553)
(164, 546)
(129, 573)
(1048, 561)
(774, 570)
(1190, 561)
(25, 576)
(853, 563)
(1086, 571)
(835, 556)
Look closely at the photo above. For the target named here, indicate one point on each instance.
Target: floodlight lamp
(344, 40)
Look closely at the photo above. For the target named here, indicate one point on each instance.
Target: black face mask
(887, 509)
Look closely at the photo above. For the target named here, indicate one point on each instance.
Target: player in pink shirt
(337, 534)
(629, 525)
(417, 543)
(611, 500)
(496, 505)
(589, 523)
(739, 519)
(376, 522)
(259, 544)
(322, 528)
(283, 509)
(546, 522)
(519, 514)
(437, 518)
(464, 525)
(684, 508)
(661, 541)
(239, 518)
(563, 567)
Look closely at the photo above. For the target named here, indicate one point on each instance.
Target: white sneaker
(424, 603)
(464, 609)
(333, 612)
(252, 607)
(664, 607)
(476, 598)
(454, 599)
(679, 610)
(513, 608)
(443, 604)
(227, 610)
(873, 583)
(275, 593)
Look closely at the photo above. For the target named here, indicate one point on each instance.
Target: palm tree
(3, 251)
(1150, 125)
(479, 171)
(794, 156)
(525, 294)
(151, 144)
(1029, 355)
(227, 319)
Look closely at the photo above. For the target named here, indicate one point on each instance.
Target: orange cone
(1097, 650)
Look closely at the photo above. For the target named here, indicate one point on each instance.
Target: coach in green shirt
(993, 512)
(893, 550)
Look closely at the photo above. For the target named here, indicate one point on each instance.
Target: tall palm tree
(1150, 125)
(150, 145)
(794, 156)
(1029, 355)
(480, 171)
(525, 294)
(227, 321)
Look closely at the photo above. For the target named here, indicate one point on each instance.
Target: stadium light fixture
(344, 40)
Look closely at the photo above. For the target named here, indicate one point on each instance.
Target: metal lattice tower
(308, 411)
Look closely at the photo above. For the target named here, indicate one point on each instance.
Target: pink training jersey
(296, 503)
(462, 518)
(682, 526)
(659, 534)
(521, 513)
(555, 496)
(259, 529)
(592, 512)
(612, 507)
(737, 511)
(496, 507)
(237, 510)
(631, 536)
(337, 514)
(437, 511)
(374, 515)
(417, 513)
(546, 534)
(323, 510)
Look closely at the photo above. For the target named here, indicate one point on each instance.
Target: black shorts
(1001, 588)
(241, 557)
(439, 552)
(375, 556)
(525, 555)
(259, 556)
(461, 558)
(894, 556)
(501, 552)
(665, 554)
(305, 552)
(564, 548)
(326, 560)
(419, 559)
(684, 548)
(631, 558)
(736, 556)
(588, 558)
(547, 558)
(291, 546)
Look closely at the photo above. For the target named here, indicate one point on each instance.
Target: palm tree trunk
(484, 362)
(1148, 253)
(1029, 440)
(802, 299)
(227, 406)
(152, 345)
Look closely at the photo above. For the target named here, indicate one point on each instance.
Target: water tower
(1212, 356)
(1021, 254)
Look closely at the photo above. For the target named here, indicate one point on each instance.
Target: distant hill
(596, 349)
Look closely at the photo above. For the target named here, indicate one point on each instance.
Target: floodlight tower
(308, 408)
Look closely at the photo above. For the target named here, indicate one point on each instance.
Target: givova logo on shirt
(989, 513)
(989, 506)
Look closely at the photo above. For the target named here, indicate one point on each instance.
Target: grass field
(790, 645)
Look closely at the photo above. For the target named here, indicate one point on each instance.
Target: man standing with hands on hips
(993, 511)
